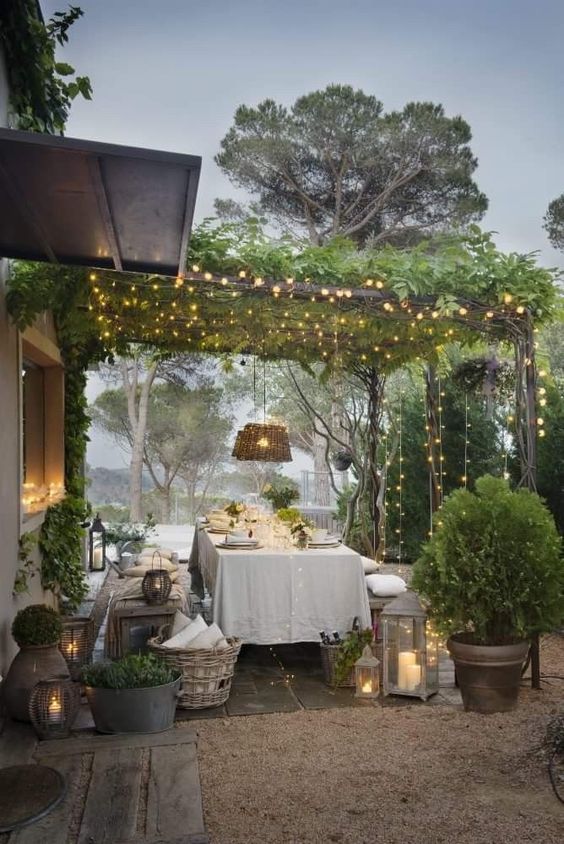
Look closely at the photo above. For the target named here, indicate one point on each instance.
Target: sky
(170, 74)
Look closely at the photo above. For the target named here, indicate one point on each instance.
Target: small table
(129, 613)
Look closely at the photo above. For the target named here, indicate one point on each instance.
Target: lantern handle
(356, 624)
(158, 554)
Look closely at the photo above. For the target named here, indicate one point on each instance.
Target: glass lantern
(97, 545)
(367, 675)
(411, 656)
(75, 643)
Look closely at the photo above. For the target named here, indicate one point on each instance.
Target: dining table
(269, 594)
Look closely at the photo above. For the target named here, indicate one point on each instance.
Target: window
(42, 430)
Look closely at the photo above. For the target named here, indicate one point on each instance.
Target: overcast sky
(170, 74)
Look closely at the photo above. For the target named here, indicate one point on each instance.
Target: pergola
(370, 312)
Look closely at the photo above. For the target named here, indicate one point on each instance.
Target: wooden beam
(99, 185)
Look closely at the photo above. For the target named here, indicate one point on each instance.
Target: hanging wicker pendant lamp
(265, 442)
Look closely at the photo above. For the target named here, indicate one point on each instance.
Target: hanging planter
(342, 460)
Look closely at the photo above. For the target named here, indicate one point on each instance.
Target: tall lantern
(97, 545)
(411, 656)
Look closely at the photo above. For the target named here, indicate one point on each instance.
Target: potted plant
(493, 576)
(37, 630)
(136, 694)
(281, 492)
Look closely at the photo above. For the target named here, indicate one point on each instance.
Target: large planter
(148, 710)
(30, 665)
(489, 676)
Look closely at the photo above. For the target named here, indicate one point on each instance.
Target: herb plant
(134, 671)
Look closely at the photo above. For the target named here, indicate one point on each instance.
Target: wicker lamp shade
(264, 442)
(156, 584)
(75, 643)
(53, 706)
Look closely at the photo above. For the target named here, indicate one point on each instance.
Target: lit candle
(55, 710)
(97, 558)
(367, 687)
(413, 676)
(405, 659)
(72, 648)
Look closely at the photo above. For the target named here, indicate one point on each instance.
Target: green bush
(493, 567)
(37, 624)
(134, 671)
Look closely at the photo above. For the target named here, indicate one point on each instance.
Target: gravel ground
(409, 775)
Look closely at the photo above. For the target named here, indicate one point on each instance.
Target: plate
(217, 530)
(238, 547)
(316, 545)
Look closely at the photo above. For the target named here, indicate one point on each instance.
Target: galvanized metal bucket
(148, 710)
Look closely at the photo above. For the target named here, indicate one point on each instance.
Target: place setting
(321, 538)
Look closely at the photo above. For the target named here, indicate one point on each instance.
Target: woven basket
(206, 674)
(329, 655)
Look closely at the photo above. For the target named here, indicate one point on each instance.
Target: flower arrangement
(281, 492)
(234, 509)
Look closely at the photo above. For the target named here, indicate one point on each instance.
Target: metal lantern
(53, 706)
(367, 675)
(266, 442)
(75, 643)
(157, 583)
(97, 545)
(411, 656)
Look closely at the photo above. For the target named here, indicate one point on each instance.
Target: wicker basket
(329, 655)
(206, 674)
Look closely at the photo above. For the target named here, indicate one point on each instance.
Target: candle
(413, 676)
(55, 710)
(72, 648)
(405, 659)
(97, 557)
(367, 687)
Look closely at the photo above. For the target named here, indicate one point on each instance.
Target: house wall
(11, 517)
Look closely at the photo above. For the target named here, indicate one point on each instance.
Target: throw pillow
(185, 637)
(385, 585)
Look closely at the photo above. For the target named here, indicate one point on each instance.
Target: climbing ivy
(41, 88)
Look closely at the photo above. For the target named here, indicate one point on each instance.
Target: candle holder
(157, 584)
(411, 653)
(53, 706)
(367, 675)
(75, 643)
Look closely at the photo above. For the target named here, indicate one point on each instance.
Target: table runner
(270, 595)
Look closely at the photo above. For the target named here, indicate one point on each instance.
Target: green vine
(350, 650)
(41, 88)
(26, 569)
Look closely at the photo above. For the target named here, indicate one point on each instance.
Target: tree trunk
(322, 483)
(165, 505)
(137, 408)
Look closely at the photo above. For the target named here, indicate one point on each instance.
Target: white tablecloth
(270, 595)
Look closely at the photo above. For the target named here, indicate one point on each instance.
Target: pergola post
(526, 437)
(432, 399)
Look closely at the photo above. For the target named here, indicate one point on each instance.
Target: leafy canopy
(493, 567)
(335, 163)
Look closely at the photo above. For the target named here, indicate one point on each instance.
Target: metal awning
(85, 203)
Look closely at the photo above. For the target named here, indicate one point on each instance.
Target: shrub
(134, 671)
(37, 624)
(493, 567)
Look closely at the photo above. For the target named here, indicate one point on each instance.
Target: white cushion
(141, 571)
(385, 585)
(145, 559)
(370, 566)
(210, 638)
(166, 553)
(184, 638)
(179, 623)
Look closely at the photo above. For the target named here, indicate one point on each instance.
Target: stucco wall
(10, 454)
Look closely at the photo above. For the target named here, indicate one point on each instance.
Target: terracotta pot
(30, 665)
(489, 676)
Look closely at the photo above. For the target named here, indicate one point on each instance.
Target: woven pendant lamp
(265, 442)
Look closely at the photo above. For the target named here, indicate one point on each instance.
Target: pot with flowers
(282, 492)
(493, 577)
(300, 526)
(234, 510)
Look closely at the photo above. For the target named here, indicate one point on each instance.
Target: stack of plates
(232, 541)
(326, 542)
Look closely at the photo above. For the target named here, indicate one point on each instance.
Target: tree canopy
(336, 163)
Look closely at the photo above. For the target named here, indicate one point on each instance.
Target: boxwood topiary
(493, 567)
(134, 671)
(37, 624)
